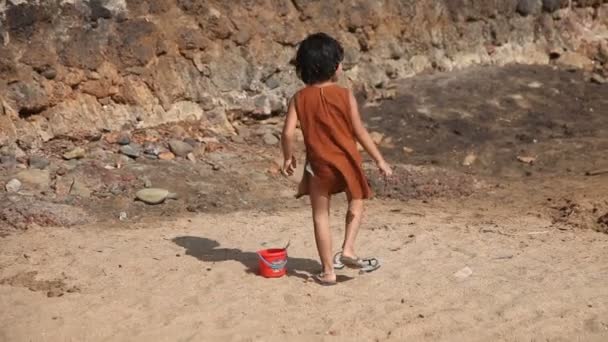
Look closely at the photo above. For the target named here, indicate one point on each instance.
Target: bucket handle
(273, 265)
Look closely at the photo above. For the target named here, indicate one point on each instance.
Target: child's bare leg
(353, 222)
(319, 199)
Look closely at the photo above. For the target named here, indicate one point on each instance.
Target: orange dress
(331, 148)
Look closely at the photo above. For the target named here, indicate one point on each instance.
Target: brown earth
(498, 249)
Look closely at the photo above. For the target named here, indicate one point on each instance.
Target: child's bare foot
(325, 279)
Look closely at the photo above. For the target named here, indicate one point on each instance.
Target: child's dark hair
(318, 58)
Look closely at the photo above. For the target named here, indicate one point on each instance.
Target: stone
(469, 159)
(270, 139)
(377, 137)
(526, 160)
(192, 142)
(408, 149)
(598, 79)
(124, 138)
(180, 148)
(33, 179)
(527, 7)
(573, 60)
(75, 153)
(63, 185)
(14, 185)
(166, 156)
(147, 182)
(79, 189)
(38, 162)
(154, 195)
(131, 150)
(9, 160)
(551, 5)
(464, 273)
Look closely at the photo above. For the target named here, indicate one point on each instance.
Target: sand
(452, 271)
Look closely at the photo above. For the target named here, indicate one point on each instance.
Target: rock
(122, 216)
(14, 185)
(76, 153)
(191, 142)
(597, 78)
(33, 179)
(408, 149)
(377, 137)
(131, 150)
(38, 162)
(551, 5)
(49, 73)
(191, 157)
(180, 148)
(573, 60)
(535, 85)
(166, 156)
(80, 189)
(9, 161)
(526, 160)
(154, 195)
(63, 185)
(147, 182)
(527, 7)
(152, 149)
(270, 139)
(123, 138)
(464, 273)
(469, 159)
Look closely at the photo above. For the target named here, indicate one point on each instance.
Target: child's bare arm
(287, 139)
(364, 138)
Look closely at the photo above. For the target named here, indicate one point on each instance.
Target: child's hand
(385, 169)
(289, 166)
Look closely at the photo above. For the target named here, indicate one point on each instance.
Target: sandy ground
(194, 279)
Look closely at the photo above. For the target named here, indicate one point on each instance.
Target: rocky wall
(75, 68)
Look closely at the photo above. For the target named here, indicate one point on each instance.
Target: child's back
(326, 123)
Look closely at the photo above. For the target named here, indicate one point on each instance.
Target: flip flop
(338, 265)
(364, 265)
(319, 280)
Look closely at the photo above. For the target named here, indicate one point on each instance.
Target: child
(331, 126)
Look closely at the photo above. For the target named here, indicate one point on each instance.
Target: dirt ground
(498, 249)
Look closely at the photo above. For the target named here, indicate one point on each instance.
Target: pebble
(79, 189)
(147, 182)
(35, 179)
(14, 185)
(408, 149)
(469, 159)
(37, 162)
(180, 148)
(131, 150)
(122, 216)
(166, 156)
(526, 160)
(123, 139)
(597, 78)
(377, 137)
(270, 139)
(76, 153)
(9, 160)
(191, 142)
(154, 195)
(463, 273)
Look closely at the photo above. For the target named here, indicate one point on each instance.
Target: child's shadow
(208, 250)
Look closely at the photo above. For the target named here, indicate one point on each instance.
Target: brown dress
(331, 149)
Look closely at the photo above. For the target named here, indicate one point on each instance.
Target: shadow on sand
(209, 250)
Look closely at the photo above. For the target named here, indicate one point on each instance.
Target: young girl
(331, 125)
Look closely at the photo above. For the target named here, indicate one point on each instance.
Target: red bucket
(273, 262)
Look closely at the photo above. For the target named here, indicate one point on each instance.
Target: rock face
(74, 68)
